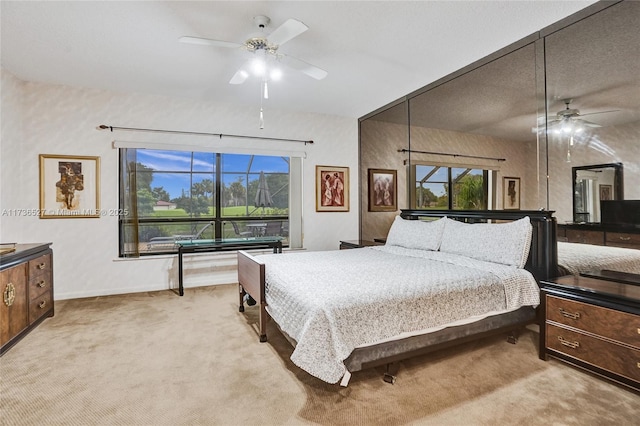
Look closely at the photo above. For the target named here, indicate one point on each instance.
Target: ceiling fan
(570, 119)
(265, 47)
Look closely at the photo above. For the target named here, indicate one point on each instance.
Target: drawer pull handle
(569, 314)
(42, 265)
(42, 284)
(625, 238)
(42, 304)
(565, 342)
(9, 294)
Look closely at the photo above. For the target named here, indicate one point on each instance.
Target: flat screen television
(620, 212)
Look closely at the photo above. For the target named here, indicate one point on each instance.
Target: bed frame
(542, 263)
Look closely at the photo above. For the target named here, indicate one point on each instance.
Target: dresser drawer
(39, 265)
(585, 237)
(615, 325)
(623, 240)
(608, 356)
(39, 306)
(39, 284)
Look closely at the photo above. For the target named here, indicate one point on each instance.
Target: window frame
(488, 177)
(217, 217)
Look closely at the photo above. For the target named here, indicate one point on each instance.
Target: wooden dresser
(603, 235)
(26, 282)
(593, 323)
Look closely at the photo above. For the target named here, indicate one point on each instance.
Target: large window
(173, 195)
(450, 188)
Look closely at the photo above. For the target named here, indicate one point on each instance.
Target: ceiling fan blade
(544, 124)
(599, 112)
(550, 123)
(587, 123)
(285, 32)
(304, 67)
(241, 75)
(210, 42)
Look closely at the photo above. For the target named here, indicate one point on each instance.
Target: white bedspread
(576, 258)
(333, 301)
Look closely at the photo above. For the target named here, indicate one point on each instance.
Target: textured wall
(11, 142)
(63, 120)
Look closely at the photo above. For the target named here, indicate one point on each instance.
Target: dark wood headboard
(543, 256)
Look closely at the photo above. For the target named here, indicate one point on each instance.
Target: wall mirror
(381, 136)
(592, 184)
(453, 142)
(472, 131)
(593, 97)
(566, 97)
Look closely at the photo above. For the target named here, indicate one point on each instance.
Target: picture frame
(383, 190)
(69, 186)
(511, 193)
(606, 192)
(332, 189)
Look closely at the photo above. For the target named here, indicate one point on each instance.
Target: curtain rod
(451, 155)
(181, 132)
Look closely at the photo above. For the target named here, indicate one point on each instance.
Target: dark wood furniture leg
(251, 282)
(180, 284)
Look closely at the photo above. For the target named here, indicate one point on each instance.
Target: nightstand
(351, 244)
(593, 322)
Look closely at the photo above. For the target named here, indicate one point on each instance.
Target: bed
(433, 284)
(578, 258)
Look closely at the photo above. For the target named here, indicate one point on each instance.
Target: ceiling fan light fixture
(275, 74)
(258, 67)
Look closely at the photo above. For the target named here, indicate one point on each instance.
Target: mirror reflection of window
(439, 187)
(583, 200)
(593, 184)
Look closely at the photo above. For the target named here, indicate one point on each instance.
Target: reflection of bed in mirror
(353, 309)
(577, 258)
(613, 244)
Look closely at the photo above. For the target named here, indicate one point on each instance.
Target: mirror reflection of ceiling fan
(265, 48)
(570, 120)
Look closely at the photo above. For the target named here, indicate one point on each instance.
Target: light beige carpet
(160, 359)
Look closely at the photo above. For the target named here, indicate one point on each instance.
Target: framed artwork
(69, 186)
(332, 189)
(606, 192)
(383, 188)
(511, 193)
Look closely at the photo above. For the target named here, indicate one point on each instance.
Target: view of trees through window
(187, 195)
(446, 188)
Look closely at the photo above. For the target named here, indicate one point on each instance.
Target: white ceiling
(375, 52)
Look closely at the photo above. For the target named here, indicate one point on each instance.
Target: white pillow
(506, 243)
(416, 234)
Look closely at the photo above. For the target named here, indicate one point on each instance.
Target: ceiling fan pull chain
(262, 95)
